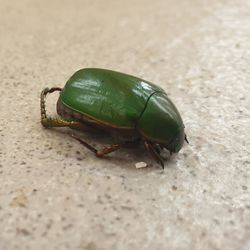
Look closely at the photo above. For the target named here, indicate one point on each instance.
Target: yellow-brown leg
(98, 153)
(42, 102)
(50, 122)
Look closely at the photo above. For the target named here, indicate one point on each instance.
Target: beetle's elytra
(121, 104)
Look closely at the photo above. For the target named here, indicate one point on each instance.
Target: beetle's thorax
(160, 121)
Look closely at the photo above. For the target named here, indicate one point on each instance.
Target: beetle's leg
(42, 104)
(98, 153)
(49, 122)
(157, 148)
(150, 148)
(186, 139)
(84, 143)
(108, 150)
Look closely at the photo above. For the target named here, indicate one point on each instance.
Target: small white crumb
(141, 164)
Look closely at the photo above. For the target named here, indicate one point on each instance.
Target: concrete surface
(54, 194)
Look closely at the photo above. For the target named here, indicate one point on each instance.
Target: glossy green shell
(107, 96)
(123, 101)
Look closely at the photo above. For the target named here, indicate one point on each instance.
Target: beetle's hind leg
(153, 151)
(49, 122)
(98, 153)
(42, 104)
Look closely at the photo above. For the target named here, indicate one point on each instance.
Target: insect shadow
(132, 152)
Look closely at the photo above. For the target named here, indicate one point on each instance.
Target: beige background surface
(54, 194)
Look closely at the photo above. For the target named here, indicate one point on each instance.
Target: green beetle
(121, 104)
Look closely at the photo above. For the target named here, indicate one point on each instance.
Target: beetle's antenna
(42, 101)
(186, 139)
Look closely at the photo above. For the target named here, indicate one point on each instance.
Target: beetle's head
(176, 143)
(161, 123)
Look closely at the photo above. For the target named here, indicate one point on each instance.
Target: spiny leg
(150, 148)
(42, 101)
(49, 122)
(98, 153)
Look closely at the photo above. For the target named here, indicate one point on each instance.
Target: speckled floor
(54, 194)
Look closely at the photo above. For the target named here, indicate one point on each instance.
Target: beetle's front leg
(98, 153)
(151, 149)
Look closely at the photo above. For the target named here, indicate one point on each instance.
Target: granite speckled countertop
(54, 194)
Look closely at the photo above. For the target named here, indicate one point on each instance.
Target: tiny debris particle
(141, 164)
